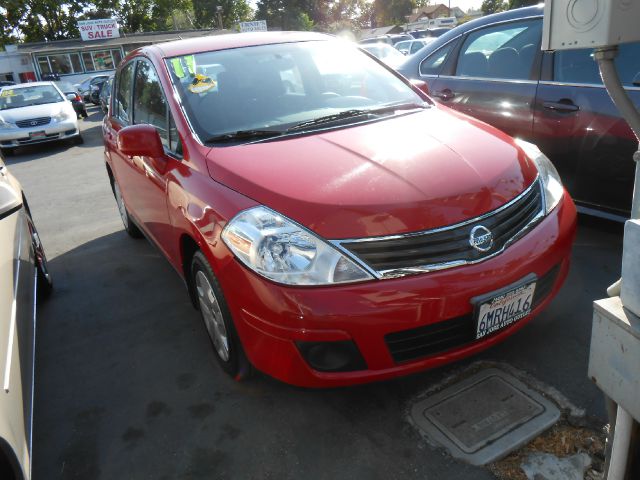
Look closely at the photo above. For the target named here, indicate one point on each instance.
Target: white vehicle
(23, 269)
(386, 53)
(34, 113)
(409, 47)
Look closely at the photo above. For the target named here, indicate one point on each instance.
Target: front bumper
(16, 137)
(271, 318)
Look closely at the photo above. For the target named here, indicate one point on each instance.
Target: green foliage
(38, 20)
(392, 12)
(521, 3)
(493, 6)
(233, 12)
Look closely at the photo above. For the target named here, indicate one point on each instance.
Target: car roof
(31, 84)
(227, 41)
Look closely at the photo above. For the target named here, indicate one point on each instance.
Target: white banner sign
(257, 26)
(99, 29)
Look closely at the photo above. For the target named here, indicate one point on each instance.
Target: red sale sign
(98, 29)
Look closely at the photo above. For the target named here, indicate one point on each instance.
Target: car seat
(505, 63)
(473, 64)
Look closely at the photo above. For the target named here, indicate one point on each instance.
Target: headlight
(553, 189)
(283, 251)
(5, 125)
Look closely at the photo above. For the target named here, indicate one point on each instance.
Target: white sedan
(23, 277)
(34, 113)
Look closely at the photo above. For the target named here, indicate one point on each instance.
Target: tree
(493, 6)
(233, 12)
(392, 12)
(521, 3)
(38, 20)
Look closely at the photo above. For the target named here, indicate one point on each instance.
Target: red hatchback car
(332, 224)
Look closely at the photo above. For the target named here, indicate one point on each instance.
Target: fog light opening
(341, 356)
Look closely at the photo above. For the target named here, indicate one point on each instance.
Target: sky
(463, 4)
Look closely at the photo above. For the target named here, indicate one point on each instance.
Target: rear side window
(502, 51)
(122, 105)
(149, 105)
(432, 65)
(579, 66)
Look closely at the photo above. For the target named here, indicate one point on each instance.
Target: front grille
(449, 246)
(33, 122)
(440, 337)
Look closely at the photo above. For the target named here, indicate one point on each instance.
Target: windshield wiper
(243, 135)
(356, 113)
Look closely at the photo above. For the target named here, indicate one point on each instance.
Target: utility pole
(219, 13)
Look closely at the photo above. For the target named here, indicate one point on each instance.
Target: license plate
(37, 134)
(504, 309)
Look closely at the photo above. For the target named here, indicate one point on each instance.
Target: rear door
(493, 75)
(579, 128)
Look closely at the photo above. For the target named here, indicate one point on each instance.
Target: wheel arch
(9, 464)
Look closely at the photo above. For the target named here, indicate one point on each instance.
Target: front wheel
(45, 283)
(217, 320)
(130, 227)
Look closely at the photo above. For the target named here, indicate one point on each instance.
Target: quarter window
(432, 65)
(122, 105)
(503, 51)
(579, 66)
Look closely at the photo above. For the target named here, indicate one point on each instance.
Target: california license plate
(504, 309)
(37, 134)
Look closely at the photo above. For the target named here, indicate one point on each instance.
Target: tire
(130, 227)
(217, 320)
(7, 152)
(78, 140)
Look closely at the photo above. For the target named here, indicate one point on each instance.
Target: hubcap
(212, 316)
(121, 208)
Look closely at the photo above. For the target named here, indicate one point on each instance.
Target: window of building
(72, 63)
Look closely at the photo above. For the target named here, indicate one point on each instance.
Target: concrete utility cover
(485, 416)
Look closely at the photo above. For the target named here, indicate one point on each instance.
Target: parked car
(342, 231)
(34, 113)
(389, 39)
(429, 32)
(85, 88)
(105, 95)
(493, 69)
(23, 272)
(409, 47)
(73, 95)
(385, 53)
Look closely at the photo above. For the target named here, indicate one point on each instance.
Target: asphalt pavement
(127, 386)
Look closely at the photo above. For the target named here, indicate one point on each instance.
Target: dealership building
(76, 59)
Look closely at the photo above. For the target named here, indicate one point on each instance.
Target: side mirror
(421, 85)
(71, 96)
(140, 140)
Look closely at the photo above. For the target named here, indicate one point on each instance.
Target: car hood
(413, 172)
(35, 111)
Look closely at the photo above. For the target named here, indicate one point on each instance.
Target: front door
(494, 76)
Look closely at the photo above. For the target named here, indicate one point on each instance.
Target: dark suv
(493, 69)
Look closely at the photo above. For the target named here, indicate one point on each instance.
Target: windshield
(279, 86)
(28, 96)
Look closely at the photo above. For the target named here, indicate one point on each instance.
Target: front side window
(278, 86)
(579, 66)
(122, 105)
(149, 105)
(29, 96)
(504, 51)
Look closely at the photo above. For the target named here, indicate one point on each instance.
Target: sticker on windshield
(7, 93)
(201, 84)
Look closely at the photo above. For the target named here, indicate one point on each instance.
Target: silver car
(34, 113)
(24, 276)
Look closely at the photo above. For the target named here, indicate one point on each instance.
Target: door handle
(563, 106)
(445, 94)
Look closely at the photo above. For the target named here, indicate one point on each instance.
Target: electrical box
(571, 24)
(630, 293)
